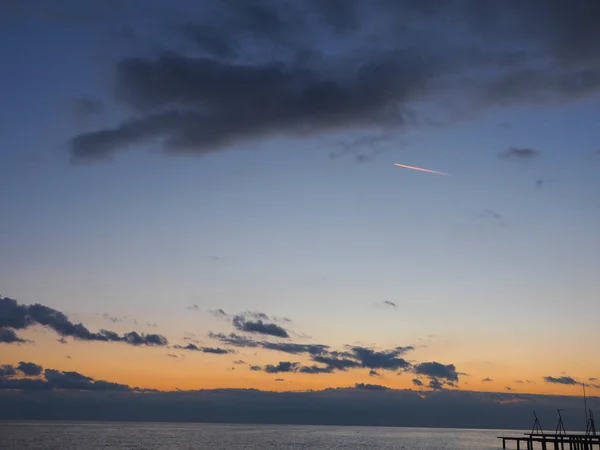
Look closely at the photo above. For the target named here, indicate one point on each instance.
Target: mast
(585, 405)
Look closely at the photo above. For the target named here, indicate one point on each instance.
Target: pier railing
(570, 441)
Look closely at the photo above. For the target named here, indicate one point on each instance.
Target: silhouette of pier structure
(560, 439)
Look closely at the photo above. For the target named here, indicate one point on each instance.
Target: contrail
(420, 169)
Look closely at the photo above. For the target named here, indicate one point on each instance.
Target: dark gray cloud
(283, 366)
(435, 384)
(8, 336)
(519, 153)
(561, 380)
(258, 326)
(439, 375)
(193, 307)
(279, 379)
(172, 355)
(212, 350)
(539, 184)
(7, 371)
(52, 379)
(388, 303)
(487, 380)
(387, 360)
(374, 373)
(17, 316)
(417, 382)
(354, 357)
(338, 406)
(30, 369)
(303, 58)
(592, 379)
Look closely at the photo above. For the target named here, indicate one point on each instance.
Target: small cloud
(240, 361)
(561, 380)
(279, 379)
(487, 380)
(212, 350)
(171, 355)
(519, 153)
(592, 379)
(508, 388)
(110, 318)
(152, 324)
(374, 373)
(259, 327)
(539, 184)
(519, 381)
(193, 307)
(371, 387)
(386, 304)
(218, 313)
(417, 382)
(493, 216)
(256, 368)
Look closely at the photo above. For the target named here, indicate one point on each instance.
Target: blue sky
(496, 261)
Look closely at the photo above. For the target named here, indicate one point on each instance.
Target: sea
(184, 436)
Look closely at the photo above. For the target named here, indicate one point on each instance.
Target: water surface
(186, 436)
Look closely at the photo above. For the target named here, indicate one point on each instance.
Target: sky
(202, 195)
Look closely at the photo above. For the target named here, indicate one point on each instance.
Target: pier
(558, 440)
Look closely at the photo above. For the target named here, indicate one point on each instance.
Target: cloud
(539, 184)
(493, 216)
(374, 373)
(246, 52)
(7, 371)
(371, 387)
(592, 379)
(172, 355)
(110, 318)
(487, 380)
(259, 327)
(336, 406)
(354, 357)
(417, 382)
(218, 313)
(52, 379)
(435, 384)
(279, 379)
(388, 303)
(8, 336)
(561, 380)
(30, 369)
(508, 388)
(193, 307)
(440, 375)
(387, 360)
(283, 366)
(519, 153)
(16, 316)
(212, 350)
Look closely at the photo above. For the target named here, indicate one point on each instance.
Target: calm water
(167, 436)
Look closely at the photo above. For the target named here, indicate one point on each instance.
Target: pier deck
(571, 441)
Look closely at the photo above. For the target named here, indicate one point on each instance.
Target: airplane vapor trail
(421, 169)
